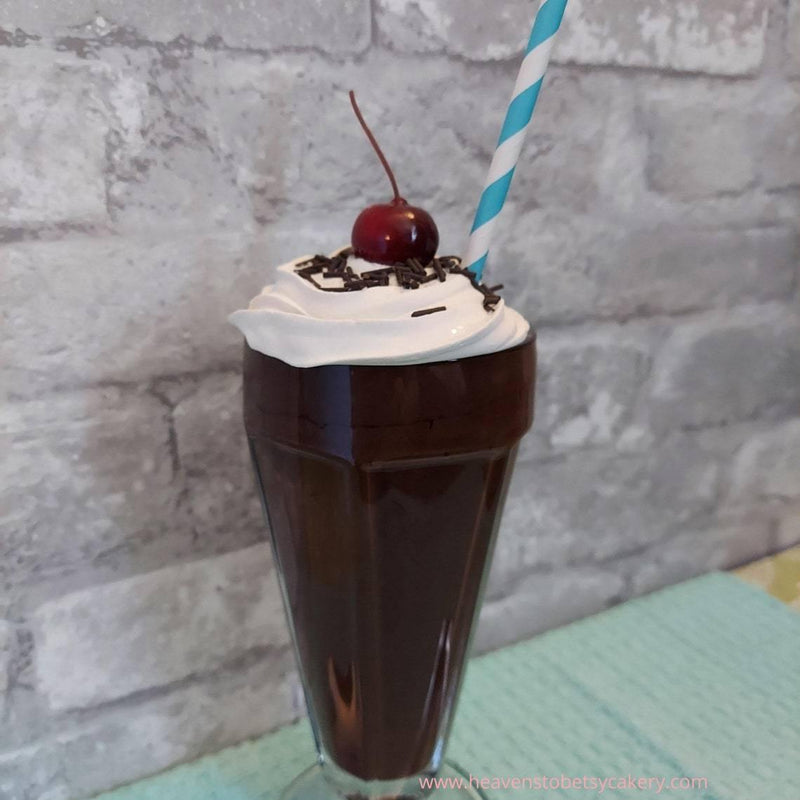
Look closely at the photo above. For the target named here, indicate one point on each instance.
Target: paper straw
(512, 136)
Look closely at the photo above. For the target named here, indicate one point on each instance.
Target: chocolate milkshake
(385, 393)
(383, 487)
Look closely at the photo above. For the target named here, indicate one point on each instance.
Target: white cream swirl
(304, 326)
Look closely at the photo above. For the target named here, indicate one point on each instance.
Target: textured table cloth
(698, 680)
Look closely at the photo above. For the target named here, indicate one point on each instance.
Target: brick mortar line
(789, 188)
(238, 665)
(46, 232)
(743, 424)
(71, 719)
(123, 38)
(53, 232)
(28, 595)
(143, 385)
(60, 231)
(616, 564)
(514, 61)
(610, 322)
(129, 39)
(172, 436)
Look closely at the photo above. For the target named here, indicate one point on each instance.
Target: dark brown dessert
(383, 487)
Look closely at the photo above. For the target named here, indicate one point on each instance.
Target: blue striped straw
(512, 136)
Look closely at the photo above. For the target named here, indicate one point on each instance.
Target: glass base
(314, 785)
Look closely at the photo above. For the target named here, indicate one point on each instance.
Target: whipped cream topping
(305, 326)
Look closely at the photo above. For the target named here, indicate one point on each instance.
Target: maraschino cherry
(394, 232)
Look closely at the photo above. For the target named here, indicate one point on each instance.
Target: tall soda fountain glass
(386, 390)
(384, 487)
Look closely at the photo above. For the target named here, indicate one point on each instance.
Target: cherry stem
(375, 146)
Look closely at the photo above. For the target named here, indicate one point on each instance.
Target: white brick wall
(158, 160)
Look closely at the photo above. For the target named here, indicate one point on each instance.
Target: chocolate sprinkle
(423, 312)
(410, 274)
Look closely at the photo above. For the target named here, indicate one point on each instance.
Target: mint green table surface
(699, 680)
